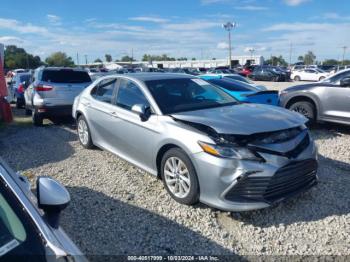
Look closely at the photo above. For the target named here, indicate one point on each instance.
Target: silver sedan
(202, 143)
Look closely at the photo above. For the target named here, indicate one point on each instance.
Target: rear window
(65, 76)
(24, 78)
(230, 85)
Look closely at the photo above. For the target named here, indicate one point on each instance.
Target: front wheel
(297, 78)
(179, 177)
(305, 108)
(84, 133)
(37, 119)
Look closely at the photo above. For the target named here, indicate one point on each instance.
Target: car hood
(307, 86)
(243, 119)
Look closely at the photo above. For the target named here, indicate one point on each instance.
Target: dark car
(266, 74)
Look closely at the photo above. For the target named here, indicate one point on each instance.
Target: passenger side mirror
(9, 83)
(345, 82)
(142, 110)
(52, 199)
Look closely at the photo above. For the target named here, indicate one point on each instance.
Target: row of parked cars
(217, 139)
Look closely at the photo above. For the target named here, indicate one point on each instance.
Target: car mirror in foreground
(142, 110)
(8, 83)
(345, 82)
(52, 198)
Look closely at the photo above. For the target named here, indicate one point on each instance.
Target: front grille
(287, 181)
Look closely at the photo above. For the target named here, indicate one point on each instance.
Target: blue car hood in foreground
(244, 119)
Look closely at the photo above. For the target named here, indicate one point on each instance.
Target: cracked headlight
(228, 151)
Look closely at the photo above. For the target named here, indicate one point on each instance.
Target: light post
(251, 50)
(228, 27)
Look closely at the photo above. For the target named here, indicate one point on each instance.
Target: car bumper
(54, 111)
(241, 185)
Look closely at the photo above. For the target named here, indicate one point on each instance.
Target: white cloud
(149, 19)
(209, 2)
(17, 26)
(54, 19)
(193, 25)
(222, 45)
(297, 27)
(295, 2)
(10, 40)
(251, 8)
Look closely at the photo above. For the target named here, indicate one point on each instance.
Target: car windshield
(334, 79)
(231, 85)
(24, 78)
(185, 94)
(18, 235)
(65, 76)
(240, 78)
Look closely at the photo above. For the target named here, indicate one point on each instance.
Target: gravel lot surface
(117, 208)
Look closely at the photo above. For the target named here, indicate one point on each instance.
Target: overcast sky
(190, 28)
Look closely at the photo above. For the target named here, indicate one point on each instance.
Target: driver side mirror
(142, 110)
(52, 199)
(345, 82)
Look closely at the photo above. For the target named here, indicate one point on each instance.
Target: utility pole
(78, 59)
(86, 59)
(290, 54)
(344, 51)
(132, 55)
(228, 27)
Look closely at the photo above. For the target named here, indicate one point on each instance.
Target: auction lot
(117, 208)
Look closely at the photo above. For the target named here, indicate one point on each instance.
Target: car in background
(309, 75)
(17, 86)
(263, 73)
(29, 224)
(242, 91)
(240, 78)
(52, 92)
(204, 144)
(327, 100)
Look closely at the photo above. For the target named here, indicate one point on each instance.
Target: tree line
(16, 57)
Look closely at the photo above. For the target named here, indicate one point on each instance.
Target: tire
(297, 78)
(37, 119)
(305, 108)
(84, 134)
(190, 195)
(19, 104)
(28, 112)
(321, 78)
(275, 79)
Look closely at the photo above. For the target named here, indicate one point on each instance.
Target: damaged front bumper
(243, 185)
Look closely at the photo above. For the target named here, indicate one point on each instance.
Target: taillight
(20, 89)
(43, 88)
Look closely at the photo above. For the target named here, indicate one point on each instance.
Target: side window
(104, 90)
(129, 94)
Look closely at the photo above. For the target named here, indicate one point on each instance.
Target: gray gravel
(118, 209)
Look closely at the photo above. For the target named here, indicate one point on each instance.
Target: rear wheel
(84, 133)
(297, 78)
(321, 78)
(37, 119)
(305, 108)
(179, 177)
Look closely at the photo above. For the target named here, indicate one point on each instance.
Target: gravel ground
(117, 208)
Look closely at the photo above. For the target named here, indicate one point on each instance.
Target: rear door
(61, 86)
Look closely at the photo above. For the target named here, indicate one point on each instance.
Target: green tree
(330, 62)
(300, 58)
(276, 60)
(108, 58)
(98, 60)
(193, 59)
(59, 59)
(164, 57)
(127, 59)
(182, 59)
(309, 58)
(18, 58)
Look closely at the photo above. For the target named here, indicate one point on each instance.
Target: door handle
(113, 113)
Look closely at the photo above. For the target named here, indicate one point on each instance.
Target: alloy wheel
(83, 132)
(177, 177)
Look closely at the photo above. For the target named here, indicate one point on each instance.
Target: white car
(309, 75)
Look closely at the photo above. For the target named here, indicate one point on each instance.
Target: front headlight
(228, 151)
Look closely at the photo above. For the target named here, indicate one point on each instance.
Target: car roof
(63, 68)
(158, 76)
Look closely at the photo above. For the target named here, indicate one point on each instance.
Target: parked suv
(52, 92)
(29, 225)
(17, 86)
